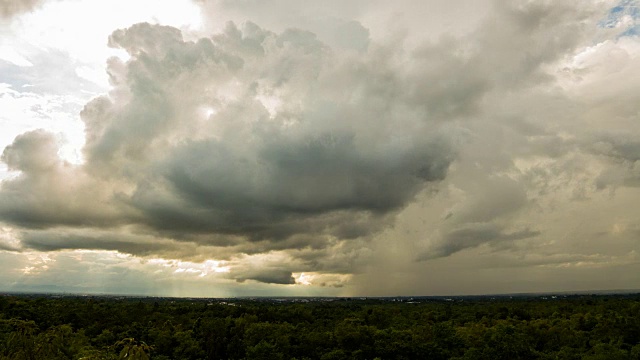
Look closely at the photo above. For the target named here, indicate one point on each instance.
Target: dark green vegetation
(576, 327)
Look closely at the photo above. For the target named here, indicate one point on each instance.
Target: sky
(219, 148)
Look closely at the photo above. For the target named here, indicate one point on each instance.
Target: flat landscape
(546, 326)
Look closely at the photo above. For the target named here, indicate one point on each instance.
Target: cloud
(328, 144)
(50, 192)
(32, 152)
(623, 151)
(474, 235)
(103, 240)
(10, 8)
(246, 137)
(275, 276)
(38, 78)
(263, 174)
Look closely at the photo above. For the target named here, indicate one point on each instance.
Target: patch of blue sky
(631, 31)
(624, 16)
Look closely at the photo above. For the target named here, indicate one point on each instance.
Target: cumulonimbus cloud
(245, 136)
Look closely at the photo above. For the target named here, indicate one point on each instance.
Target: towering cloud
(245, 137)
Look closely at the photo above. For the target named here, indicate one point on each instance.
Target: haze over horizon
(222, 148)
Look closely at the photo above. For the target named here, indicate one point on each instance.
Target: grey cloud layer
(315, 145)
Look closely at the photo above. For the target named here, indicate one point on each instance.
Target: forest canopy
(541, 327)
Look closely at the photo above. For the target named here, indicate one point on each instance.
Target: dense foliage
(575, 327)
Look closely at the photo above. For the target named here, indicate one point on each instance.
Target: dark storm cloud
(268, 276)
(249, 133)
(126, 243)
(251, 173)
(299, 146)
(474, 235)
(289, 181)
